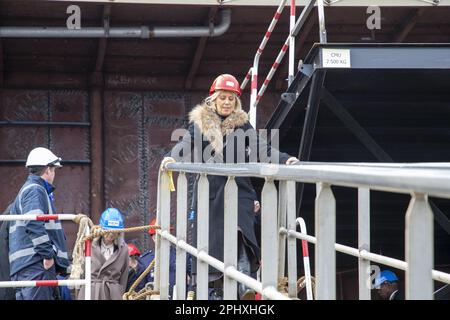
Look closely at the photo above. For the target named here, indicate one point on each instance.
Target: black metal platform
(377, 103)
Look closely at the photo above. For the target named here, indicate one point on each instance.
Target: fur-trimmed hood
(211, 125)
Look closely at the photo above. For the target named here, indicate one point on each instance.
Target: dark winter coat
(33, 241)
(218, 136)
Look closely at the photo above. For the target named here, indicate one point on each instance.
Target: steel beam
(358, 131)
(309, 125)
(408, 25)
(97, 181)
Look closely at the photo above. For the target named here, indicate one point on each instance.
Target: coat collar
(36, 179)
(212, 126)
(105, 263)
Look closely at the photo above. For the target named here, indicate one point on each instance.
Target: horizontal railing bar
(401, 180)
(46, 123)
(42, 283)
(395, 263)
(23, 161)
(41, 217)
(229, 271)
(410, 165)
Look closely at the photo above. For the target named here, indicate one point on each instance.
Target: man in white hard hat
(37, 249)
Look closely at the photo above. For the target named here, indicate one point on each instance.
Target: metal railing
(418, 180)
(294, 29)
(53, 283)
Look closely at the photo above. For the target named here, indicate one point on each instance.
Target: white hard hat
(42, 157)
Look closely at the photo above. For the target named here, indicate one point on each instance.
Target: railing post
(325, 257)
(203, 236)
(181, 235)
(87, 265)
(364, 242)
(282, 223)
(292, 242)
(156, 278)
(419, 248)
(230, 234)
(269, 236)
(164, 244)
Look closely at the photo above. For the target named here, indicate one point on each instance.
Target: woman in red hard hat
(217, 121)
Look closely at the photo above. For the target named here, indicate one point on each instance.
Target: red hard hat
(133, 250)
(153, 231)
(225, 82)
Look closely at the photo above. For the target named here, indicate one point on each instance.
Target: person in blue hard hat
(386, 284)
(110, 265)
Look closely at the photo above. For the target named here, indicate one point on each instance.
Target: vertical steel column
(325, 259)
(419, 248)
(269, 232)
(291, 44)
(292, 241)
(253, 94)
(312, 110)
(164, 243)
(309, 125)
(181, 235)
(282, 212)
(364, 243)
(202, 237)
(97, 165)
(322, 29)
(230, 234)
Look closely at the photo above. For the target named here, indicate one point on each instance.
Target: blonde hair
(210, 101)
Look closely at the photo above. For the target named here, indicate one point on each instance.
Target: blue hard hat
(383, 276)
(111, 219)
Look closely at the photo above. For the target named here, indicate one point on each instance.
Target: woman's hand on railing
(292, 160)
(165, 162)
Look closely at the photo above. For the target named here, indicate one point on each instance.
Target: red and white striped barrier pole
(306, 264)
(272, 71)
(261, 47)
(41, 283)
(39, 217)
(87, 266)
(53, 283)
(254, 69)
(246, 79)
